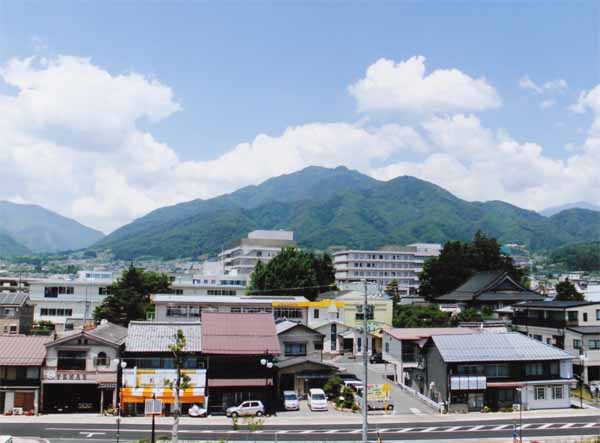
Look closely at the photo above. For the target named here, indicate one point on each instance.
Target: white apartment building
(260, 245)
(201, 284)
(382, 266)
(69, 302)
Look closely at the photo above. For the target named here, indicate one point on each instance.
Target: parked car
(196, 411)
(347, 376)
(247, 408)
(376, 358)
(291, 401)
(354, 384)
(317, 400)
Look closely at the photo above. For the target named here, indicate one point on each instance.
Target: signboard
(467, 383)
(153, 407)
(379, 392)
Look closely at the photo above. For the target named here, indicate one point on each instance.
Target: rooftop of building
(421, 333)
(152, 336)
(224, 299)
(239, 334)
(585, 330)
(555, 304)
(511, 346)
(22, 350)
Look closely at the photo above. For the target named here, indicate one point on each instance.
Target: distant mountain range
(28, 229)
(339, 206)
(549, 212)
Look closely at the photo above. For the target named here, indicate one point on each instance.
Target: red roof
(239, 334)
(22, 350)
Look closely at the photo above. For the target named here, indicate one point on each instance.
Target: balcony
(543, 322)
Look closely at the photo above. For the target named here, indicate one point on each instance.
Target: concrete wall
(530, 403)
(436, 371)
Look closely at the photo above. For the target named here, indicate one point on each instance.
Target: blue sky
(240, 69)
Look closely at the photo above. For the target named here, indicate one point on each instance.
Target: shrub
(333, 386)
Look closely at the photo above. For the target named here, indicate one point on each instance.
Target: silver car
(247, 408)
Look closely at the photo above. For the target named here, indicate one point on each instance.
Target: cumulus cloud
(71, 139)
(405, 87)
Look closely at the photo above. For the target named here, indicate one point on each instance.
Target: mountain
(339, 206)
(9, 247)
(548, 212)
(40, 230)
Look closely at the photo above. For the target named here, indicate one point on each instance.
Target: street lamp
(520, 391)
(269, 365)
(121, 365)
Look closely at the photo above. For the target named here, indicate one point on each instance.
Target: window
(499, 370)
(71, 360)
(572, 315)
(12, 329)
(534, 369)
(370, 312)
(597, 314)
(594, 344)
(359, 344)
(221, 292)
(235, 309)
(557, 392)
(537, 337)
(548, 341)
(102, 359)
(539, 392)
(577, 344)
(316, 313)
(33, 373)
(387, 347)
(294, 349)
(104, 290)
(54, 291)
(318, 345)
(195, 311)
(176, 311)
(585, 317)
(50, 312)
(289, 313)
(333, 337)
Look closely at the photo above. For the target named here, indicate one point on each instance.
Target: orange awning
(139, 395)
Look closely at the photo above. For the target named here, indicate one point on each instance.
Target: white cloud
(557, 86)
(71, 140)
(526, 83)
(545, 104)
(404, 87)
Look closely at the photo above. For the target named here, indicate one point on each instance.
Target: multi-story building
(260, 245)
(13, 284)
(571, 325)
(385, 265)
(214, 284)
(16, 313)
(176, 308)
(69, 302)
(80, 374)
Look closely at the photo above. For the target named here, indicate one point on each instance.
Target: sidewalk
(316, 419)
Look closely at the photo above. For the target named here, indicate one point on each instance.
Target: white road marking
(499, 428)
(590, 425)
(406, 429)
(282, 432)
(429, 429)
(526, 425)
(475, 428)
(91, 434)
(383, 430)
(308, 431)
(416, 411)
(545, 426)
(355, 431)
(453, 428)
(568, 425)
(332, 431)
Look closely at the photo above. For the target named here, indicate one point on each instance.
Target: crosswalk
(492, 428)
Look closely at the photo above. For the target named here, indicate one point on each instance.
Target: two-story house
(16, 313)
(148, 366)
(470, 372)
(300, 365)
(570, 325)
(80, 374)
(403, 349)
(21, 360)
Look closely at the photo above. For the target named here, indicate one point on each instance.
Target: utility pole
(365, 424)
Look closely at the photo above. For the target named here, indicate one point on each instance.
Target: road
(442, 430)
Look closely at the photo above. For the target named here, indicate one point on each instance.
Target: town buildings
(21, 360)
(16, 313)
(490, 289)
(240, 351)
(80, 374)
(148, 366)
(259, 245)
(570, 325)
(473, 371)
(383, 266)
(69, 303)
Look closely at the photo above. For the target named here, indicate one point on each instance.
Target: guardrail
(439, 407)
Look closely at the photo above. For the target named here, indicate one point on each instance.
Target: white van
(317, 400)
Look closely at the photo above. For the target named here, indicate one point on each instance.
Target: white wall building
(260, 245)
(382, 266)
(69, 302)
(201, 284)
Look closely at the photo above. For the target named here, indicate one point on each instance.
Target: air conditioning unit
(516, 407)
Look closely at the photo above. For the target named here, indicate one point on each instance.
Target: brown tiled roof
(22, 350)
(239, 334)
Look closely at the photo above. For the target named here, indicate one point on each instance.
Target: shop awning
(139, 395)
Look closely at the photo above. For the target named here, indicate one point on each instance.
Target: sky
(111, 109)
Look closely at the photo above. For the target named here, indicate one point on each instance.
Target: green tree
(129, 297)
(294, 272)
(181, 381)
(566, 291)
(420, 316)
(333, 386)
(392, 290)
(458, 261)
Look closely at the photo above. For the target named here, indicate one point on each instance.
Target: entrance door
(349, 345)
(24, 400)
